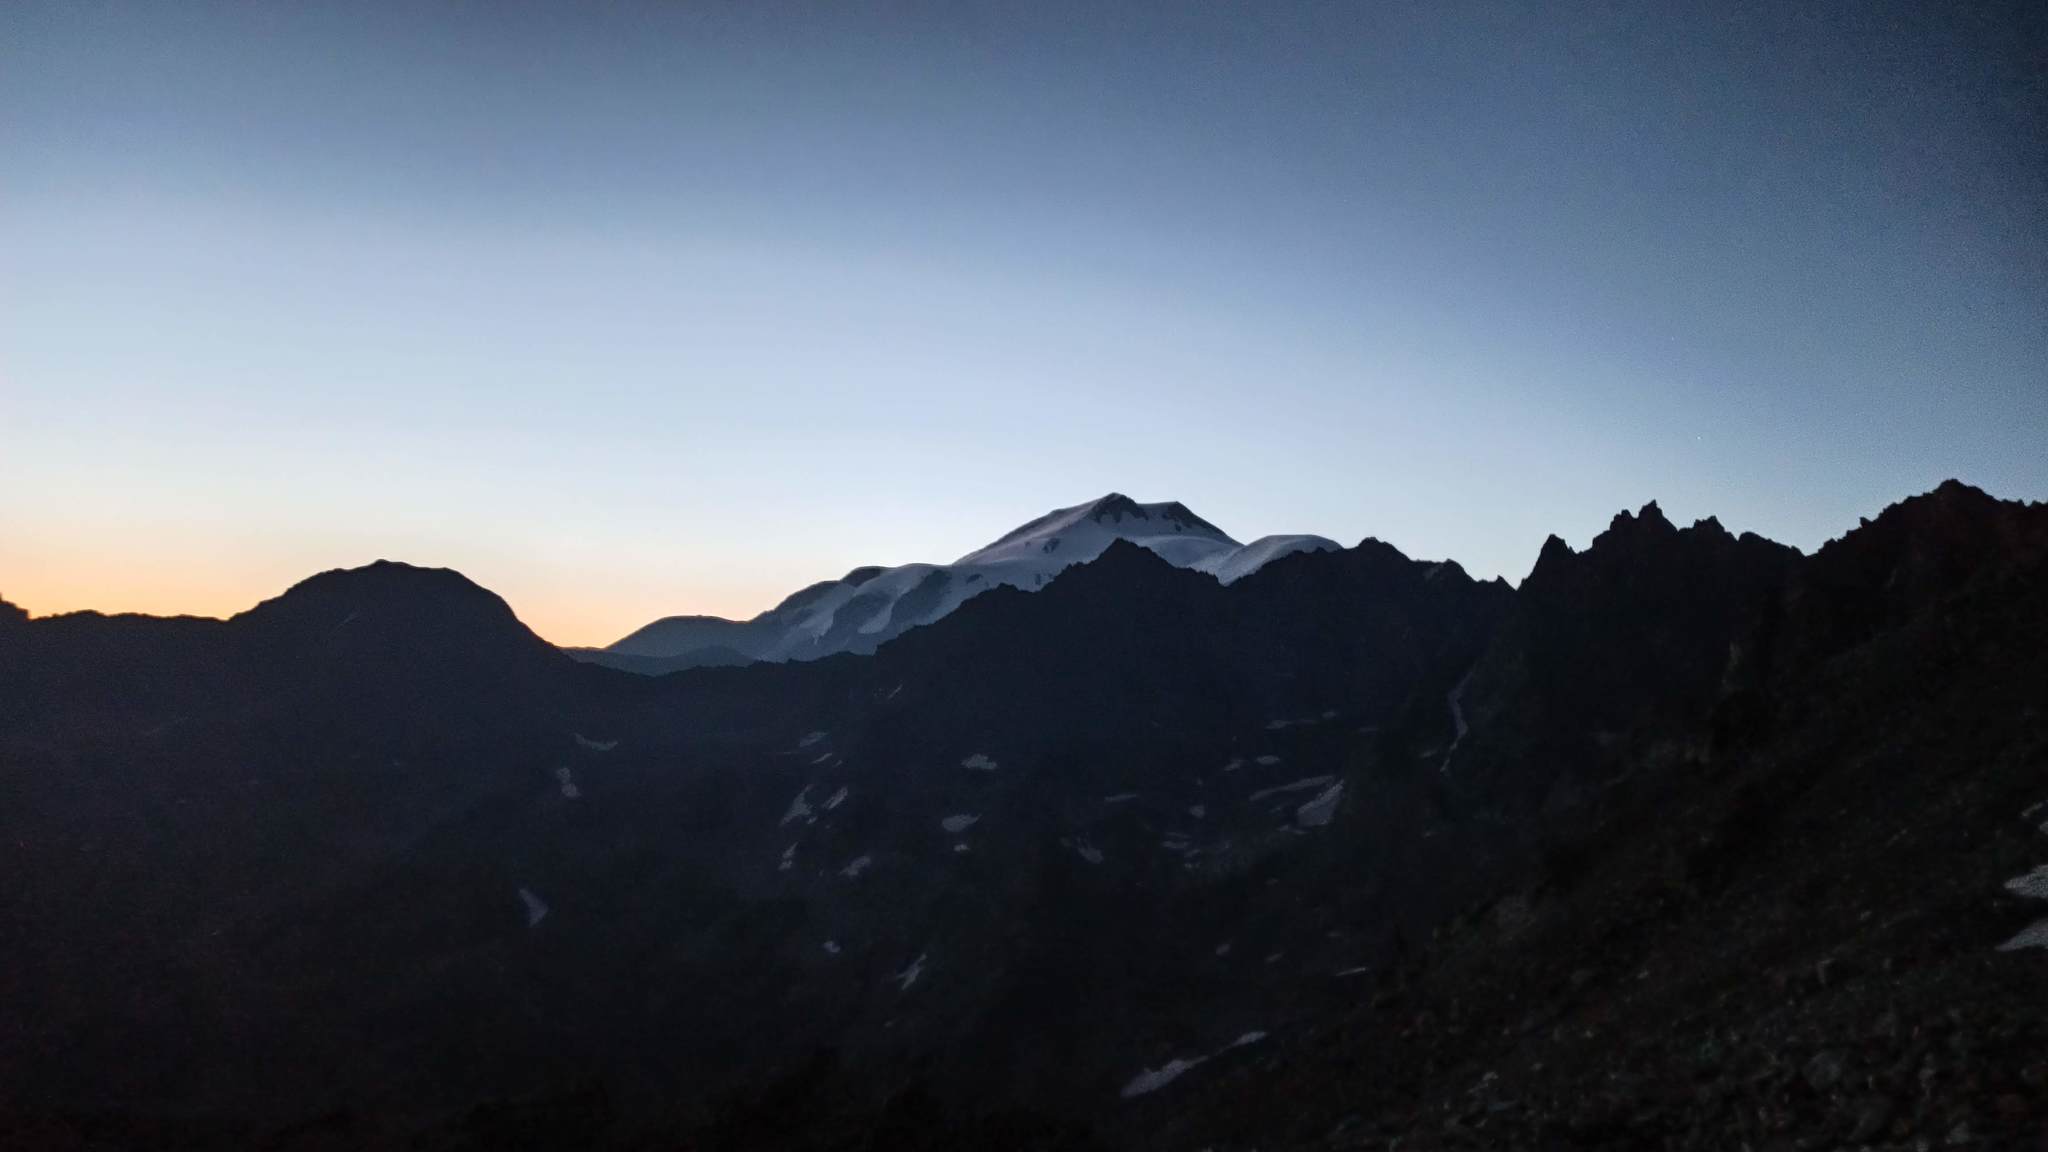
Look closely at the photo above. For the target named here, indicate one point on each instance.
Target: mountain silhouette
(1685, 830)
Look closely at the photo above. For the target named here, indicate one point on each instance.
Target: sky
(628, 310)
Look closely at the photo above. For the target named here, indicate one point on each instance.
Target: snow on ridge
(536, 908)
(1153, 1079)
(897, 581)
(2032, 886)
(909, 975)
(1234, 566)
(799, 808)
(1066, 536)
(2034, 935)
(834, 616)
(1322, 809)
(1302, 785)
(1456, 700)
(1085, 850)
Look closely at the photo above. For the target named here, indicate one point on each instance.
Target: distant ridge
(870, 605)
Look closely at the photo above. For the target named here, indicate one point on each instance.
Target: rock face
(1690, 839)
(1612, 657)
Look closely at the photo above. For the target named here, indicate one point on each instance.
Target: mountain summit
(1169, 529)
(870, 605)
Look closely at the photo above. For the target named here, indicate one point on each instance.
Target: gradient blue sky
(628, 310)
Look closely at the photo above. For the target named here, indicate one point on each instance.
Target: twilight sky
(633, 309)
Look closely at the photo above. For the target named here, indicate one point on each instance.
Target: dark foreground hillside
(1689, 842)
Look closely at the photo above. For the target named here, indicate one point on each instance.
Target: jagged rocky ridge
(1689, 841)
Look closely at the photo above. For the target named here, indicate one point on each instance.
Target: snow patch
(1223, 949)
(979, 762)
(568, 782)
(1120, 798)
(1236, 762)
(958, 848)
(811, 738)
(1088, 852)
(1456, 700)
(856, 866)
(536, 908)
(831, 947)
(959, 822)
(1358, 971)
(837, 799)
(1153, 1079)
(788, 859)
(1298, 786)
(2032, 886)
(2035, 935)
(1267, 761)
(583, 741)
(1320, 810)
(908, 976)
(1198, 811)
(799, 808)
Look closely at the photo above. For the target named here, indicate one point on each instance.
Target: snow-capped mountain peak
(870, 605)
(1084, 530)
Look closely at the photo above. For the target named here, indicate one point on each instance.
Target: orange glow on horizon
(556, 608)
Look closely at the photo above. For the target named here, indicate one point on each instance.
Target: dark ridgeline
(1689, 841)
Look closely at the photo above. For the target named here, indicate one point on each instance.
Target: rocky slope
(1688, 842)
